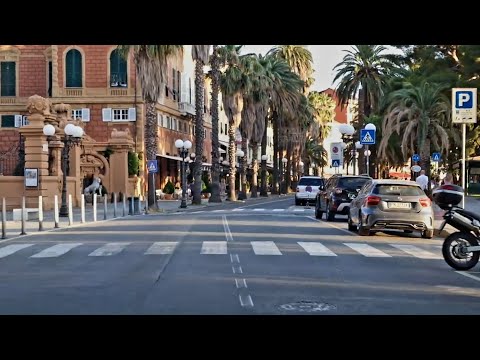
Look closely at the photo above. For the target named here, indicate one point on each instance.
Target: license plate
(399, 205)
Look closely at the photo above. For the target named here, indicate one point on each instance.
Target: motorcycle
(460, 249)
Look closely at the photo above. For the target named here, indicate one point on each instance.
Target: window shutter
(132, 114)
(18, 120)
(73, 68)
(25, 121)
(86, 114)
(159, 119)
(8, 77)
(107, 114)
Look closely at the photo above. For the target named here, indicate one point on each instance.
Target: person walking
(422, 180)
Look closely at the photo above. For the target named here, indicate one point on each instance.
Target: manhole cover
(308, 306)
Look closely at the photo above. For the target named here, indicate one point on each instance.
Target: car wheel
(329, 214)
(318, 213)
(351, 227)
(427, 234)
(297, 202)
(362, 230)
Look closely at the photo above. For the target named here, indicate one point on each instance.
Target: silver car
(391, 204)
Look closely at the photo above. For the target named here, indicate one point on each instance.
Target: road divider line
(241, 283)
(237, 269)
(226, 228)
(331, 225)
(246, 301)
(468, 275)
(234, 258)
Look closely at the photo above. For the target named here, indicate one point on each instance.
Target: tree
(151, 67)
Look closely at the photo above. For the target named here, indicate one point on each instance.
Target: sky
(325, 57)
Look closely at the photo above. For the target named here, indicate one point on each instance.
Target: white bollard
(114, 205)
(124, 205)
(82, 209)
(4, 219)
(23, 217)
(105, 207)
(40, 213)
(55, 211)
(70, 210)
(94, 207)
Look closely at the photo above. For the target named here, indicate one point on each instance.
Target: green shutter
(8, 121)
(118, 69)
(8, 78)
(73, 68)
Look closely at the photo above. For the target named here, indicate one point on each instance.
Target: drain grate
(308, 306)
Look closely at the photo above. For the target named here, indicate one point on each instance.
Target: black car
(336, 195)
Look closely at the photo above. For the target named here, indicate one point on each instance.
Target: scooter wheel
(454, 254)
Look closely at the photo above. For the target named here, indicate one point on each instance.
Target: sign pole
(464, 144)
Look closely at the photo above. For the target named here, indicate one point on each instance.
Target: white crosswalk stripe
(11, 249)
(265, 248)
(214, 247)
(56, 250)
(316, 249)
(239, 209)
(278, 210)
(162, 248)
(298, 210)
(367, 250)
(196, 212)
(217, 210)
(417, 252)
(109, 249)
(258, 209)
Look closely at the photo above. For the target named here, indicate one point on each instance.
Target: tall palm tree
(366, 67)
(200, 56)
(419, 115)
(151, 67)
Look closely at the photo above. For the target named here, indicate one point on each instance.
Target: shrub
(133, 163)
(169, 188)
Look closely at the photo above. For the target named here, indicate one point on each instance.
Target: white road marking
(265, 248)
(234, 258)
(218, 210)
(316, 249)
(258, 209)
(298, 210)
(367, 250)
(417, 252)
(332, 225)
(237, 269)
(110, 249)
(162, 248)
(196, 212)
(214, 247)
(278, 209)
(246, 301)
(55, 250)
(266, 202)
(468, 275)
(11, 249)
(226, 228)
(238, 209)
(241, 283)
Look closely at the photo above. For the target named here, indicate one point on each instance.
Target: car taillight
(298, 189)
(372, 200)
(425, 202)
(338, 191)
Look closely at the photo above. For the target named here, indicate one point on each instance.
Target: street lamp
(73, 136)
(240, 155)
(183, 147)
(374, 128)
(284, 162)
(347, 132)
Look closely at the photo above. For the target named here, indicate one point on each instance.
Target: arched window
(73, 68)
(118, 70)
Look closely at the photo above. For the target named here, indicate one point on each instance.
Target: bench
(17, 214)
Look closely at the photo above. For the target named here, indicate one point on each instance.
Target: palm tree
(419, 115)
(368, 68)
(151, 67)
(200, 56)
(316, 154)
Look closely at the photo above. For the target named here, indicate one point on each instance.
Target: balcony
(8, 100)
(186, 108)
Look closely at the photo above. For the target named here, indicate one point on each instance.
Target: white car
(307, 189)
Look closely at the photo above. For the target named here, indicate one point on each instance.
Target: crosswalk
(259, 248)
(256, 210)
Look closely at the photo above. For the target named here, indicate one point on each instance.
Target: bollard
(23, 216)
(55, 212)
(132, 210)
(4, 219)
(124, 198)
(82, 209)
(70, 210)
(40, 213)
(94, 207)
(114, 205)
(105, 207)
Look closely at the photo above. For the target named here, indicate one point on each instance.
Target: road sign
(336, 152)
(152, 166)
(464, 105)
(416, 157)
(335, 163)
(367, 137)
(416, 168)
(436, 157)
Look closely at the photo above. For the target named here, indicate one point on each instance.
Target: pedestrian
(422, 180)
(448, 180)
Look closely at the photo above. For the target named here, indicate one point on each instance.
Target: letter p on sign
(464, 100)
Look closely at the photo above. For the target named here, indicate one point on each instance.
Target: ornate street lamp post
(284, 180)
(240, 155)
(183, 147)
(263, 191)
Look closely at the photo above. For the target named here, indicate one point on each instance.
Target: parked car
(307, 189)
(391, 204)
(337, 193)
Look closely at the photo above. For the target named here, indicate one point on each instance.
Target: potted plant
(168, 190)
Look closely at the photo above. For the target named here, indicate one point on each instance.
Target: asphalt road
(267, 257)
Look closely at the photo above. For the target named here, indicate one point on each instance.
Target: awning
(178, 158)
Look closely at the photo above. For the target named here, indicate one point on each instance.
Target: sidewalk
(471, 204)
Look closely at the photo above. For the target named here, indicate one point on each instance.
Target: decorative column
(121, 143)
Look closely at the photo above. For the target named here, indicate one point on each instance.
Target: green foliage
(206, 186)
(133, 163)
(108, 151)
(169, 188)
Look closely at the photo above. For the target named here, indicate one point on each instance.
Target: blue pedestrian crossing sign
(335, 163)
(367, 137)
(416, 157)
(152, 166)
(436, 156)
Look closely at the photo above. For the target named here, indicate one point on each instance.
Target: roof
(395, 182)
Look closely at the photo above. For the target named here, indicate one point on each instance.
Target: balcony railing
(185, 107)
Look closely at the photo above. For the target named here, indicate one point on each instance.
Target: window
(226, 132)
(8, 121)
(190, 89)
(83, 114)
(50, 76)
(221, 128)
(178, 85)
(174, 75)
(118, 70)
(169, 122)
(120, 114)
(8, 78)
(109, 114)
(73, 69)
(174, 124)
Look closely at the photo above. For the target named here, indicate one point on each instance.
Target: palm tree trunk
(425, 163)
(232, 151)
(242, 195)
(361, 120)
(275, 154)
(289, 168)
(199, 103)
(253, 187)
(215, 186)
(263, 191)
(151, 145)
